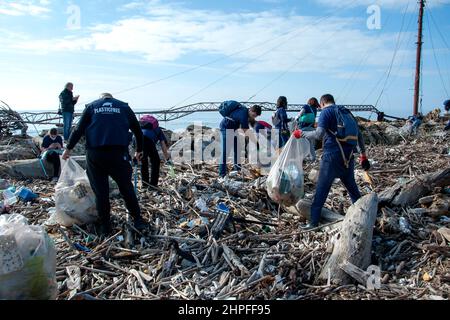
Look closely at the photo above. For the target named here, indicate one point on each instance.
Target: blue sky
(214, 50)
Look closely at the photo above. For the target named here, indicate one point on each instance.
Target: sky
(156, 54)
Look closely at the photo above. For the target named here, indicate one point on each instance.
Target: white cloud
(167, 33)
(25, 7)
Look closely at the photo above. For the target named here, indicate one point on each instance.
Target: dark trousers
(283, 137)
(67, 120)
(332, 167)
(151, 152)
(226, 151)
(111, 162)
(53, 158)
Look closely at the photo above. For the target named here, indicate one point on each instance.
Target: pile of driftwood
(392, 244)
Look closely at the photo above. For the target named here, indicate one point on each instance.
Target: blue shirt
(155, 135)
(447, 104)
(238, 119)
(48, 141)
(281, 114)
(328, 121)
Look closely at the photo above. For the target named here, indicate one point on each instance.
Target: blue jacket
(281, 114)
(328, 122)
(155, 135)
(106, 123)
(447, 105)
(238, 119)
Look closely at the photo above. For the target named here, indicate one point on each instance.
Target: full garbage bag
(74, 198)
(27, 261)
(285, 183)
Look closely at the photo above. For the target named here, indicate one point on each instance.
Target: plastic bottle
(404, 225)
(9, 197)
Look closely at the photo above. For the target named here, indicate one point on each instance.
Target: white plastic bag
(285, 183)
(27, 261)
(406, 130)
(74, 198)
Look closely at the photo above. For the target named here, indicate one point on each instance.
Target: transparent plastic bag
(27, 261)
(406, 129)
(285, 183)
(74, 198)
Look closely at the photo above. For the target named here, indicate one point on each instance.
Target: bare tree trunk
(407, 194)
(354, 241)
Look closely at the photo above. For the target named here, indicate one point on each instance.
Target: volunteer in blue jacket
(152, 135)
(281, 121)
(333, 164)
(239, 118)
(447, 105)
(106, 123)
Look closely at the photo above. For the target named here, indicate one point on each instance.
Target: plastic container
(26, 195)
(9, 197)
(201, 204)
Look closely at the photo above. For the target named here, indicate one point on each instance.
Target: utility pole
(418, 59)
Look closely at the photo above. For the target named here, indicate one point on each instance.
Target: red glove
(298, 133)
(365, 164)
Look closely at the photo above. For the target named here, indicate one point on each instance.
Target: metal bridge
(52, 118)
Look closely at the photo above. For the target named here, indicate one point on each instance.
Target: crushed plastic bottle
(9, 197)
(404, 225)
(201, 204)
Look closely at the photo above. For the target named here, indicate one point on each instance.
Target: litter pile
(213, 239)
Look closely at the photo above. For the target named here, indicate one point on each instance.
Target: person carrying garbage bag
(235, 117)
(341, 135)
(105, 123)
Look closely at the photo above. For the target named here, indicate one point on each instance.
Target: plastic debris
(74, 198)
(285, 183)
(27, 261)
(404, 225)
(26, 195)
(9, 198)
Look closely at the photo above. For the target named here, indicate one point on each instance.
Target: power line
(394, 55)
(438, 29)
(442, 37)
(257, 57)
(210, 62)
(435, 58)
(352, 81)
(282, 74)
(383, 75)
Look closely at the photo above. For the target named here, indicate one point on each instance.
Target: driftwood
(303, 208)
(407, 194)
(282, 262)
(354, 242)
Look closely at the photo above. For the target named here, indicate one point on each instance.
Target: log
(31, 168)
(405, 195)
(354, 241)
(303, 208)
